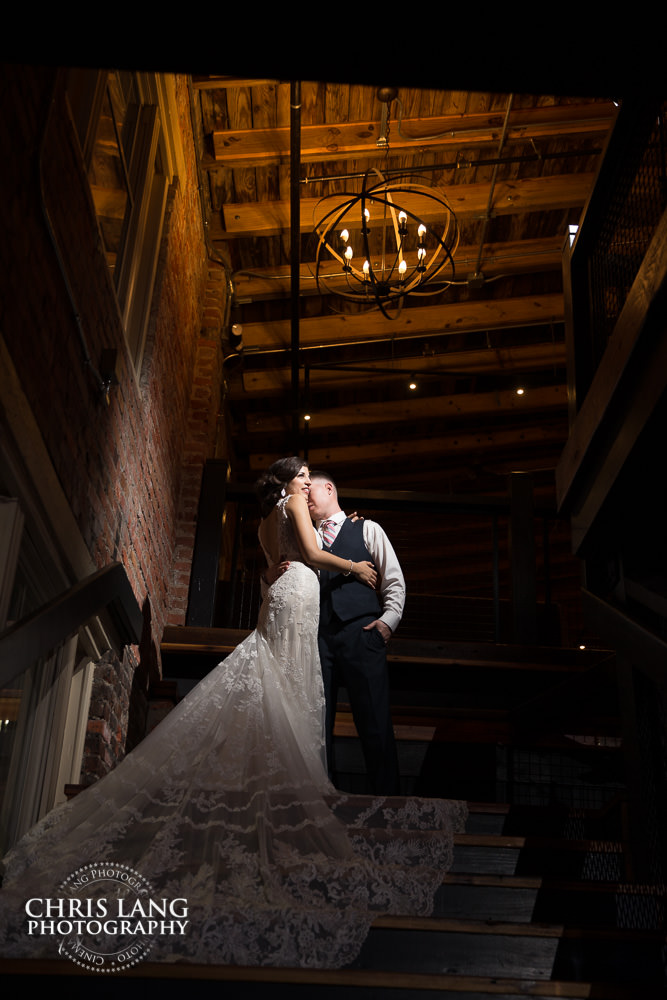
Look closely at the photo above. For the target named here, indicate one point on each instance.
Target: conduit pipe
(494, 177)
(295, 247)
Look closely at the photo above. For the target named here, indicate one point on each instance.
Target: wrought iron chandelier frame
(388, 281)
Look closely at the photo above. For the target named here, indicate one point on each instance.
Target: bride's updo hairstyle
(270, 485)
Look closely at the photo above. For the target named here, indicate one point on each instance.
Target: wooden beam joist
(224, 82)
(276, 380)
(452, 318)
(359, 140)
(468, 405)
(471, 444)
(467, 201)
(497, 260)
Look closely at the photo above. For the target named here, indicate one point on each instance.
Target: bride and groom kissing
(356, 623)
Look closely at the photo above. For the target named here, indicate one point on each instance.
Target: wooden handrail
(632, 641)
(27, 640)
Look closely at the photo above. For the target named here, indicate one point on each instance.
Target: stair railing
(31, 638)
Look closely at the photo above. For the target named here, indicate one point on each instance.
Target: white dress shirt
(392, 582)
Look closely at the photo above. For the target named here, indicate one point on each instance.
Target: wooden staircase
(541, 900)
(533, 913)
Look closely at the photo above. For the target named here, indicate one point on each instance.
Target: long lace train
(227, 805)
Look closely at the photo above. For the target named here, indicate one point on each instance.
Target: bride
(227, 803)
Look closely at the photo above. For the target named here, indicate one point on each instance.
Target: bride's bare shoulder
(295, 502)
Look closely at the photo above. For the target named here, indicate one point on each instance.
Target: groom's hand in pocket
(381, 627)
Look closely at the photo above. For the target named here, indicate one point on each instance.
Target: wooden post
(208, 541)
(522, 559)
(295, 249)
(640, 676)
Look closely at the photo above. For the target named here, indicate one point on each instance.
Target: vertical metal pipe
(496, 578)
(489, 205)
(295, 247)
(546, 561)
(306, 399)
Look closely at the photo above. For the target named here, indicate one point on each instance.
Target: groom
(356, 624)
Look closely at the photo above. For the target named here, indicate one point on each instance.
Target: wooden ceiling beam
(359, 140)
(468, 201)
(468, 405)
(223, 82)
(448, 318)
(480, 474)
(497, 259)
(472, 444)
(277, 380)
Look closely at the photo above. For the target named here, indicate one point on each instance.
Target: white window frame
(36, 528)
(54, 699)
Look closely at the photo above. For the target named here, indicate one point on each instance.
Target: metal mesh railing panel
(651, 724)
(633, 213)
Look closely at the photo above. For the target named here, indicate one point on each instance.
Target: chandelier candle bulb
(410, 248)
(366, 219)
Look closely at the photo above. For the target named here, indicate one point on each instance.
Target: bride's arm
(297, 510)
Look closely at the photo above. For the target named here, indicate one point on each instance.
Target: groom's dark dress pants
(357, 660)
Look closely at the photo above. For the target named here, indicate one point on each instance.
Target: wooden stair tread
(494, 881)
(199, 641)
(476, 808)
(489, 807)
(347, 978)
(459, 925)
(504, 922)
(544, 843)
(181, 639)
(505, 928)
(467, 725)
(431, 653)
(550, 882)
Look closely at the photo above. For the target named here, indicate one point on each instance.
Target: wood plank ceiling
(517, 170)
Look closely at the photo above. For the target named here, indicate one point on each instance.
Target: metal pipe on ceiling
(494, 177)
(295, 248)
(458, 164)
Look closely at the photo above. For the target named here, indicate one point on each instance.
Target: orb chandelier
(391, 239)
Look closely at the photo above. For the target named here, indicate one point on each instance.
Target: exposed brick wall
(109, 713)
(128, 468)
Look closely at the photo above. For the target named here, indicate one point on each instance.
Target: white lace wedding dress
(227, 804)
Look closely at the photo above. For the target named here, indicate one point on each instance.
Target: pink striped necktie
(328, 533)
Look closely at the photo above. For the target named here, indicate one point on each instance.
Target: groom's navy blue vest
(345, 595)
